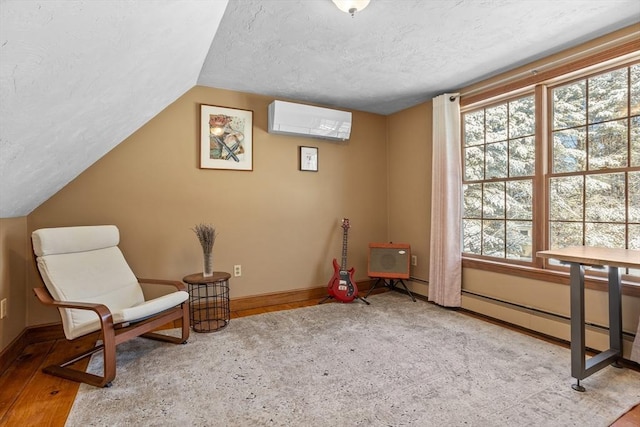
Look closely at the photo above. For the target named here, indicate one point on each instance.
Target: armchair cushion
(48, 241)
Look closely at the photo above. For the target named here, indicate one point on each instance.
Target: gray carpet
(393, 363)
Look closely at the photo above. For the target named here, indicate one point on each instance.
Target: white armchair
(88, 279)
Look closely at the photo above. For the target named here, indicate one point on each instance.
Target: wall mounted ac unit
(288, 118)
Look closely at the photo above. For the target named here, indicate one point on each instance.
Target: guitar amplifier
(389, 260)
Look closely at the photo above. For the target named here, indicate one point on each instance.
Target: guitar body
(342, 286)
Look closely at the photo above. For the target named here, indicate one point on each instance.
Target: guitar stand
(332, 297)
(392, 286)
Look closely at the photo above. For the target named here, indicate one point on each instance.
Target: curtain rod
(549, 65)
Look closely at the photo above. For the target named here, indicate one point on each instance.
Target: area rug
(393, 363)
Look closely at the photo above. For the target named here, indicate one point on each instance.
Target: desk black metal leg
(615, 313)
(580, 367)
(578, 387)
(578, 352)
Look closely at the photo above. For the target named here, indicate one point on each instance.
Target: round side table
(208, 301)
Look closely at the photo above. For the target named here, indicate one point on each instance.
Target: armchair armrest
(45, 298)
(175, 283)
(100, 309)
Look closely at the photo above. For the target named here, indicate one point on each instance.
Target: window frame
(541, 85)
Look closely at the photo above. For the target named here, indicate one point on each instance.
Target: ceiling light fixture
(351, 6)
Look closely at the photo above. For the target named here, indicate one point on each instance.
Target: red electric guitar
(342, 286)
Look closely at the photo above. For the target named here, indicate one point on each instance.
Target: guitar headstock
(345, 224)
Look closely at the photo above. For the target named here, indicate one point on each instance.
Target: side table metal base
(208, 301)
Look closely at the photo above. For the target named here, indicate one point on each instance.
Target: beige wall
(14, 255)
(280, 224)
(409, 134)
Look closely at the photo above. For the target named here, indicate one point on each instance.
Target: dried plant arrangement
(207, 236)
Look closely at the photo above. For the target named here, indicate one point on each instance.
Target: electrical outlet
(237, 270)
(3, 308)
(414, 260)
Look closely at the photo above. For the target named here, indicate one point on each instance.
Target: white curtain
(445, 269)
(635, 350)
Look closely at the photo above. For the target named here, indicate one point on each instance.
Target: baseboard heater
(548, 314)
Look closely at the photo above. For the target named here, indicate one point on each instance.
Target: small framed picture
(309, 159)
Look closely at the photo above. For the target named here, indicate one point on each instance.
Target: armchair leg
(111, 338)
(64, 371)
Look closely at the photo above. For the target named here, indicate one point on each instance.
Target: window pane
(472, 232)
(493, 200)
(496, 160)
(569, 106)
(497, 123)
(522, 157)
(569, 150)
(635, 90)
(522, 117)
(474, 163)
(635, 141)
(472, 200)
(565, 195)
(605, 198)
(608, 96)
(608, 145)
(493, 238)
(634, 236)
(474, 128)
(519, 199)
(565, 234)
(519, 240)
(634, 197)
(604, 234)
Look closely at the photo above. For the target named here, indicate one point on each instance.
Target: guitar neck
(343, 266)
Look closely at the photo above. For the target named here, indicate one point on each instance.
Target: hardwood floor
(28, 397)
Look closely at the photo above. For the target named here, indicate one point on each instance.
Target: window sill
(597, 283)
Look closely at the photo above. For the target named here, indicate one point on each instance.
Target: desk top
(595, 256)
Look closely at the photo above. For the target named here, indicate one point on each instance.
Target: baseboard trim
(54, 331)
(29, 335)
(287, 297)
(12, 351)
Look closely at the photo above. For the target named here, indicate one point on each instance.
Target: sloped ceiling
(78, 77)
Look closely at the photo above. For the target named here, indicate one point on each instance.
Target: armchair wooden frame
(114, 334)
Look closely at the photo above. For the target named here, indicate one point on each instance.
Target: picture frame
(226, 138)
(308, 159)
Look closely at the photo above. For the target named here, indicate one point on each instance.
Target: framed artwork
(309, 159)
(226, 138)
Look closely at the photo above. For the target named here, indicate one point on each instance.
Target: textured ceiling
(394, 54)
(78, 77)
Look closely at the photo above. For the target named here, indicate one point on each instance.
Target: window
(499, 159)
(591, 187)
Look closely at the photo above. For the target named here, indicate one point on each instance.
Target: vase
(207, 268)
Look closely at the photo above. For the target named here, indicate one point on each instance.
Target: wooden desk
(578, 257)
